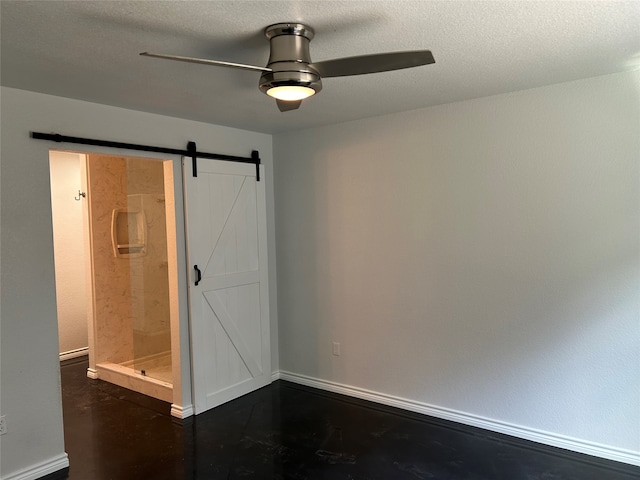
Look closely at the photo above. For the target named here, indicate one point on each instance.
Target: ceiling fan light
(290, 93)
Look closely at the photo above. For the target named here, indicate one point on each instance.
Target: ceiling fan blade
(204, 61)
(287, 105)
(378, 62)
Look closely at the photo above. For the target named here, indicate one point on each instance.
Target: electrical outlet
(336, 349)
(3, 425)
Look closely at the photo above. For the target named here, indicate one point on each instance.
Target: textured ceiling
(89, 50)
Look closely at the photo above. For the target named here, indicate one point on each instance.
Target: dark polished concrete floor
(286, 431)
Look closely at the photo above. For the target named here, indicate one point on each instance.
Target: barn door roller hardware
(191, 150)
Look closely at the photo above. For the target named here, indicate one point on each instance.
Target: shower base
(125, 376)
(156, 366)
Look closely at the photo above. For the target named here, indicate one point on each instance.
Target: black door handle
(198, 274)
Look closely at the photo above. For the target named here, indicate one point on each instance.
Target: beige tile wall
(131, 294)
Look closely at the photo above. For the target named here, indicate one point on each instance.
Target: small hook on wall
(80, 195)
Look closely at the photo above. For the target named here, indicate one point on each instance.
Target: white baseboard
(78, 352)
(39, 470)
(183, 411)
(92, 373)
(275, 376)
(539, 436)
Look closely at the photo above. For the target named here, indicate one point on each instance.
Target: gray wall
(30, 377)
(480, 258)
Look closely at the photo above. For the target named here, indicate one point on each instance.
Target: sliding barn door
(228, 293)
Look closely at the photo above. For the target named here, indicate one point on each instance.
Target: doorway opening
(116, 268)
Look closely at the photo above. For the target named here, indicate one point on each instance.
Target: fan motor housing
(289, 58)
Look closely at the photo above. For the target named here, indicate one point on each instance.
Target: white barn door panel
(227, 255)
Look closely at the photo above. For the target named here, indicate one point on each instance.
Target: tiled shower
(129, 262)
(130, 344)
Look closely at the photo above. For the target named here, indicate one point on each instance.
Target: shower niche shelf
(128, 233)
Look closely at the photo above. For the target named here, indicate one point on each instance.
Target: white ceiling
(89, 50)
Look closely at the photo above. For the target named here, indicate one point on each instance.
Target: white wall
(480, 259)
(68, 241)
(30, 376)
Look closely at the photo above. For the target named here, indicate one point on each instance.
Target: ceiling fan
(290, 76)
